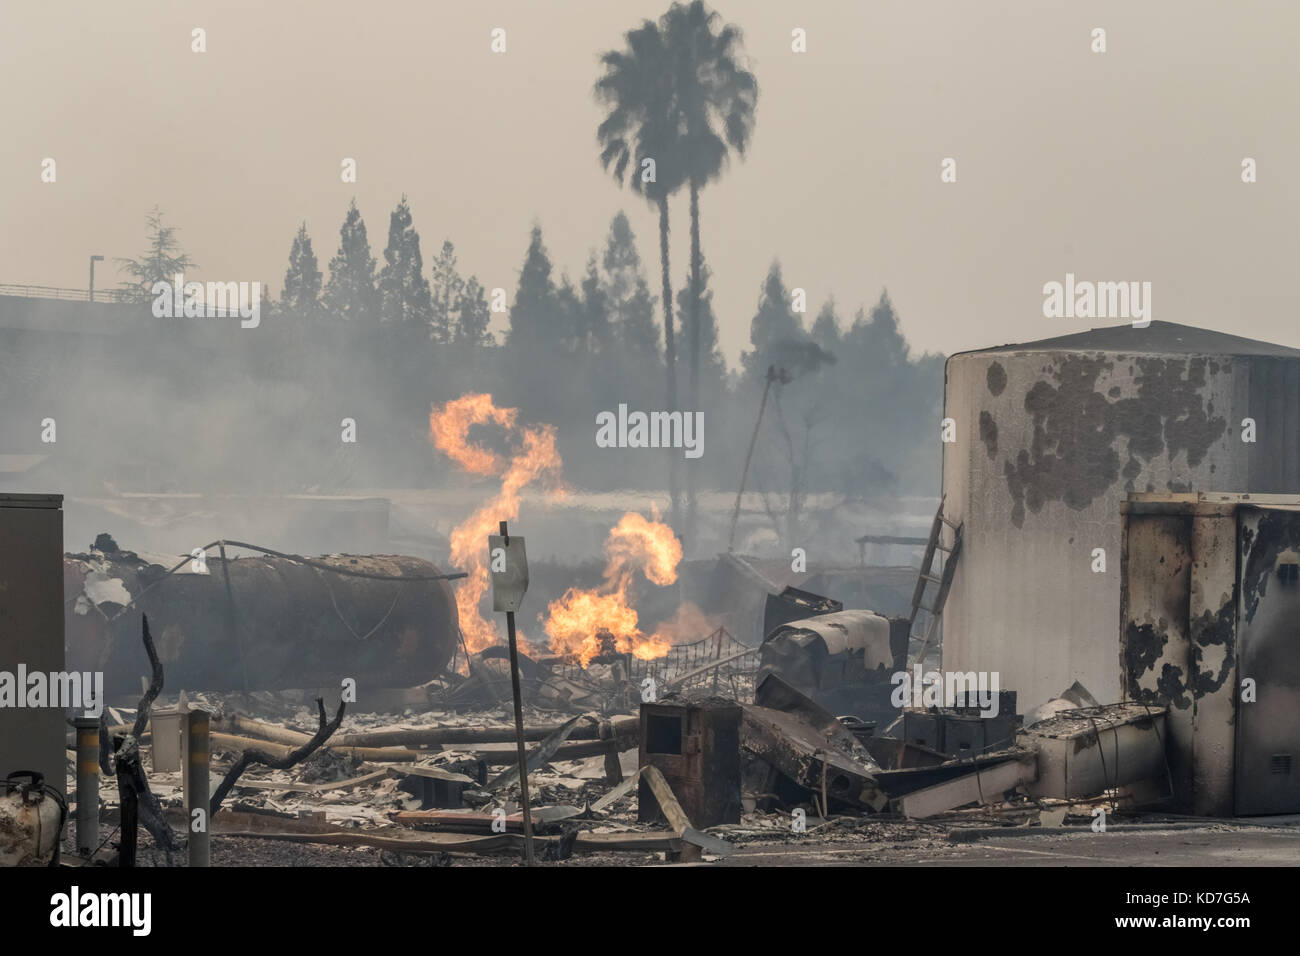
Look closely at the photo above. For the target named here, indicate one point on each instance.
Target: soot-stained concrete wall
(1207, 602)
(1178, 638)
(1050, 438)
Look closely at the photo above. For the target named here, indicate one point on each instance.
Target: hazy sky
(1116, 166)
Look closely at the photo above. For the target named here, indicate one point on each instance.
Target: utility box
(923, 728)
(170, 737)
(696, 746)
(1208, 629)
(167, 731)
(31, 632)
(965, 735)
(963, 731)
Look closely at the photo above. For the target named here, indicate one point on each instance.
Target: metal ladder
(927, 576)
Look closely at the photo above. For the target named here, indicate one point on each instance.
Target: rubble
(695, 842)
(979, 785)
(693, 747)
(895, 798)
(696, 755)
(796, 747)
(688, 777)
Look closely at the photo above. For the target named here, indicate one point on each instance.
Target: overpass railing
(75, 295)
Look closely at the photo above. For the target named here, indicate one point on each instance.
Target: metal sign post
(509, 567)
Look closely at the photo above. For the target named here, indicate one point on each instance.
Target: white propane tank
(32, 815)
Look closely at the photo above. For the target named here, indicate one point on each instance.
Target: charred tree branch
(151, 815)
(127, 804)
(155, 684)
(277, 763)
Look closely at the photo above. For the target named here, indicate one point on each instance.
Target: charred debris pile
(715, 745)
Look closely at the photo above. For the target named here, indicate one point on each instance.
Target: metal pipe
(197, 797)
(87, 784)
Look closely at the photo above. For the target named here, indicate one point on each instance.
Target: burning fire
(534, 458)
(582, 621)
(575, 621)
(449, 431)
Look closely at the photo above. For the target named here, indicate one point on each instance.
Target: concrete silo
(1050, 438)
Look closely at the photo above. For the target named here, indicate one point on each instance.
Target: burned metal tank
(259, 623)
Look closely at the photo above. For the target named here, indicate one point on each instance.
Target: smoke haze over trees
(380, 347)
(378, 339)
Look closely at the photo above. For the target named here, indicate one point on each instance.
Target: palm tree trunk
(670, 356)
(694, 406)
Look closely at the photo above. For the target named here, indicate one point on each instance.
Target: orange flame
(651, 546)
(576, 620)
(449, 431)
(534, 458)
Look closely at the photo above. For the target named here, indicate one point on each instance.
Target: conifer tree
(161, 262)
(302, 280)
(536, 315)
(472, 316)
(404, 297)
(350, 292)
(627, 293)
(446, 290)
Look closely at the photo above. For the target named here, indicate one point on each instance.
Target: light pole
(93, 260)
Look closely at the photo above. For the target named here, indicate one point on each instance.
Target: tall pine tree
(774, 322)
(826, 328)
(404, 297)
(713, 367)
(630, 304)
(473, 316)
(446, 290)
(594, 333)
(350, 292)
(777, 335)
(302, 281)
(537, 316)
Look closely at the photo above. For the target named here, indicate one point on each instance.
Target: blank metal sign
(509, 566)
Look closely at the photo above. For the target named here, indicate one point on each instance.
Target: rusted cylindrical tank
(278, 624)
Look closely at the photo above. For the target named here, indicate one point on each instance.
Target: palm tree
(715, 96)
(643, 122)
